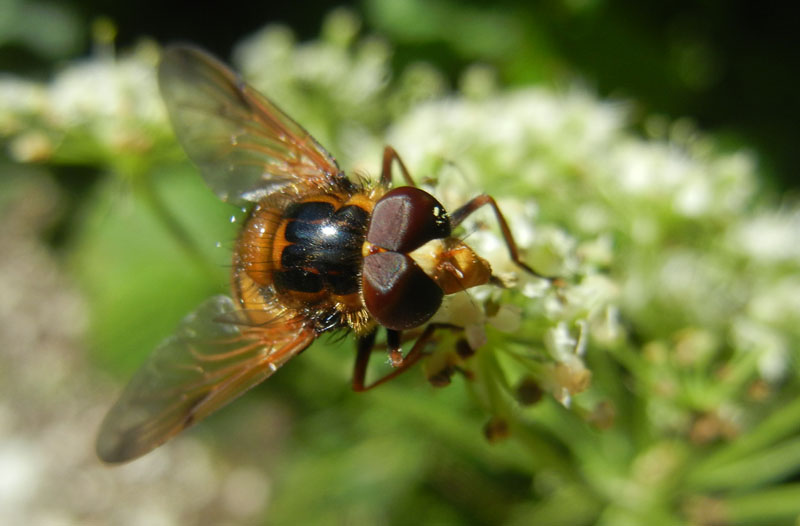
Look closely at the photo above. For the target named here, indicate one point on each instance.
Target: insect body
(318, 252)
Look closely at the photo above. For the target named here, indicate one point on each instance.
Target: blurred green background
(728, 65)
(109, 238)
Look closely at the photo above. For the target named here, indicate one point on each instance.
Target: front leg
(475, 203)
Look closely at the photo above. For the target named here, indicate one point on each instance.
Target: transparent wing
(199, 369)
(244, 145)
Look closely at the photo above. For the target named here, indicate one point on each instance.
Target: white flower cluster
(665, 235)
(91, 111)
(505, 145)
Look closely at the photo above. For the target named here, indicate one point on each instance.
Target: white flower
(769, 237)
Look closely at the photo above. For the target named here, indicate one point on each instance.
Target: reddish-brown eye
(397, 293)
(406, 218)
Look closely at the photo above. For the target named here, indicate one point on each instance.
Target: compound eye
(397, 293)
(406, 218)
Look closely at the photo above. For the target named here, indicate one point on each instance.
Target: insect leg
(389, 155)
(394, 347)
(365, 350)
(475, 203)
(405, 337)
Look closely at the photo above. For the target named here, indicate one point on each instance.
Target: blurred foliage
(727, 64)
(62, 27)
(661, 376)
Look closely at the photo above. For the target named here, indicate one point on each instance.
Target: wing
(244, 145)
(199, 369)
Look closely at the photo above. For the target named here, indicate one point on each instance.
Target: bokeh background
(727, 65)
(647, 153)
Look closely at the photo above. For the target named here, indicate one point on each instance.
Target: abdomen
(306, 255)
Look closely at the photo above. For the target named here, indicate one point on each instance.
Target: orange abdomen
(305, 255)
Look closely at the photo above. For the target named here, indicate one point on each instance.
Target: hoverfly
(317, 252)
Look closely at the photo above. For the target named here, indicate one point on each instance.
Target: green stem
(780, 424)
